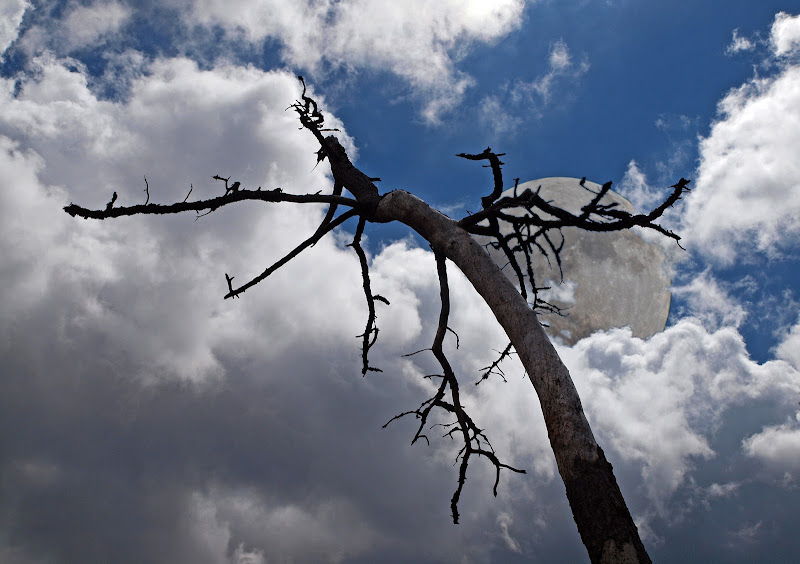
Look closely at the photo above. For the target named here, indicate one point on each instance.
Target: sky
(145, 419)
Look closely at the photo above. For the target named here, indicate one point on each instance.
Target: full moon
(610, 280)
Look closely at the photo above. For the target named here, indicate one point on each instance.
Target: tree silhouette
(604, 522)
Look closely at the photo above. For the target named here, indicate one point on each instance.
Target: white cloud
(778, 446)
(504, 520)
(646, 196)
(408, 275)
(656, 405)
(80, 26)
(492, 115)
(561, 67)
(139, 300)
(657, 402)
(11, 13)
(502, 113)
(747, 534)
(419, 41)
(722, 490)
(785, 34)
(559, 56)
(789, 347)
(86, 24)
(635, 188)
(142, 298)
(747, 193)
(710, 303)
(560, 292)
(152, 285)
(739, 43)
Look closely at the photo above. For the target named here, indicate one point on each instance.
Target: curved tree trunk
(603, 519)
(604, 522)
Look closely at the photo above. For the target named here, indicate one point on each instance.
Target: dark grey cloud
(98, 466)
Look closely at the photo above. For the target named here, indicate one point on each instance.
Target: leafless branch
(212, 204)
(538, 229)
(495, 164)
(232, 293)
(110, 204)
(311, 118)
(494, 368)
(370, 334)
(472, 436)
(607, 218)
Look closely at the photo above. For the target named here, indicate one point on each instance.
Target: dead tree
(604, 522)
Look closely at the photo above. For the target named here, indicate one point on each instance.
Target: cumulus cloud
(747, 194)
(153, 386)
(777, 446)
(658, 406)
(658, 402)
(10, 19)
(78, 27)
(330, 531)
(141, 411)
(785, 34)
(92, 148)
(789, 348)
(418, 41)
(84, 25)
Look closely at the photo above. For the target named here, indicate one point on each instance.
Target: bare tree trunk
(604, 522)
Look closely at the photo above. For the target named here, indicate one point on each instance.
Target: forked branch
(232, 293)
(370, 334)
(474, 440)
(538, 229)
(233, 193)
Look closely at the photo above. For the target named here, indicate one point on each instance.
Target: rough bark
(604, 522)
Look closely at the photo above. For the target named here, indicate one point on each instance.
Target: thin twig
(370, 334)
(296, 251)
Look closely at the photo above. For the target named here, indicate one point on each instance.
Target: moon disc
(614, 279)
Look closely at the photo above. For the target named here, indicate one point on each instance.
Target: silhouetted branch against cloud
(597, 504)
(370, 334)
